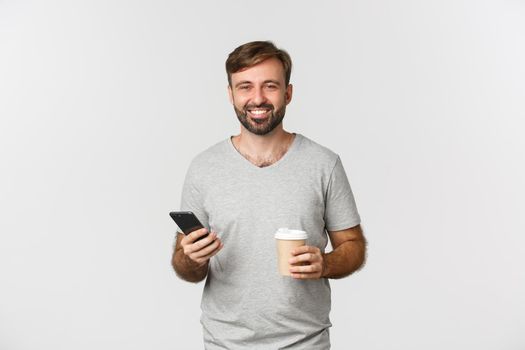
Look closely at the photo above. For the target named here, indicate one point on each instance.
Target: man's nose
(258, 97)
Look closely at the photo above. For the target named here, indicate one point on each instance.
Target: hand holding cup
(307, 262)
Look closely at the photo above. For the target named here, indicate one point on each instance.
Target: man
(246, 187)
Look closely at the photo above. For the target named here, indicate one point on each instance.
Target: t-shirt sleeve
(340, 208)
(192, 196)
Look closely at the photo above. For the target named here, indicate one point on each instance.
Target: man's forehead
(271, 68)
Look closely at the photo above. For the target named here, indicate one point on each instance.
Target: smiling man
(247, 187)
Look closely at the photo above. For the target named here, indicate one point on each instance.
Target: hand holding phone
(198, 244)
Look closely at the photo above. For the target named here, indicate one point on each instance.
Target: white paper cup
(287, 240)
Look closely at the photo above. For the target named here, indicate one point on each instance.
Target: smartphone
(187, 222)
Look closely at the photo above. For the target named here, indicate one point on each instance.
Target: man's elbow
(361, 253)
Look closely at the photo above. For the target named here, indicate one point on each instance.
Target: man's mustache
(263, 106)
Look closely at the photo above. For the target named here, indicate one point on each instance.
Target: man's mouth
(259, 113)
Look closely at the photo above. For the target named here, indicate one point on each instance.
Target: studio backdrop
(103, 104)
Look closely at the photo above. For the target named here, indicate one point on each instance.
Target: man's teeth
(258, 111)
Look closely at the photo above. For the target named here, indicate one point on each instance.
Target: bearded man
(244, 189)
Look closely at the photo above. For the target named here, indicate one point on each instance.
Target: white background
(104, 103)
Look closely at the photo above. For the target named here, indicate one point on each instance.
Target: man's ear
(230, 94)
(288, 93)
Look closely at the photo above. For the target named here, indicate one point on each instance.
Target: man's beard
(260, 126)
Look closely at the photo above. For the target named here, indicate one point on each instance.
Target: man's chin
(259, 121)
(259, 129)
(258, 126)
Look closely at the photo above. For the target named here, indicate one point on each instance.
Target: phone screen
(187, 222)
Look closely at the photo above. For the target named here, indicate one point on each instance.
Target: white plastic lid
(287, 234)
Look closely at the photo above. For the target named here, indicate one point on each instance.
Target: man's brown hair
(252, 53)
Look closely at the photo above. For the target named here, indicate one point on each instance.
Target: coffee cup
(287, 240)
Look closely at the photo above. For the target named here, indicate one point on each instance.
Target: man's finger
(195, 247)
(305, 249)
(197, 233)
(306, 257)
(207, 250)
(205, 241)
(314, 268)
(192, 237)
(207, 257)
(305, 276)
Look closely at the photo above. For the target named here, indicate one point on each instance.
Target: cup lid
(287, 234)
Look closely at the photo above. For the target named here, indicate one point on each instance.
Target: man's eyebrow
(276, 82)
(243, 82)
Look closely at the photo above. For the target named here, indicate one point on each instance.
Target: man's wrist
(323, 265)
(192, 264)
(190, 270)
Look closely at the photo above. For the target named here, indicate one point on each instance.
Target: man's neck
(263, 150)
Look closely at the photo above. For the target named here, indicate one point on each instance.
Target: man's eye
(244, 87)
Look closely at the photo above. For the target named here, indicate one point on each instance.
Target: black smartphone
(187, 222)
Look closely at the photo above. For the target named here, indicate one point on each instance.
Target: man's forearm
(345, 259)
(187, 269)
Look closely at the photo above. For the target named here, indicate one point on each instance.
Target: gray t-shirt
(246, 304)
